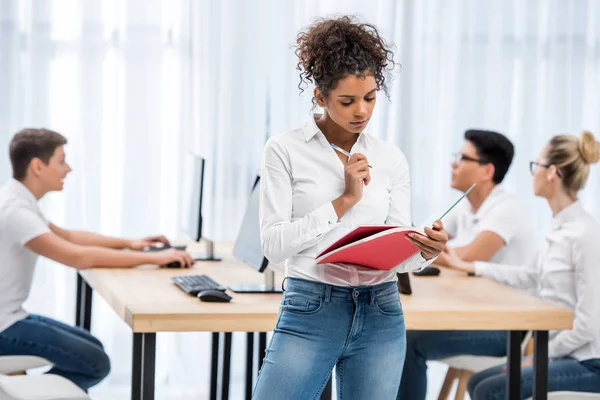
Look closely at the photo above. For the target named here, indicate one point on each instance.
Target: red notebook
(380, 246)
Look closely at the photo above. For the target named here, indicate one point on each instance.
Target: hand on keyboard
(172, 256)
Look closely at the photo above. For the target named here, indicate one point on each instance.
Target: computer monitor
(248, 250)
(191, 217)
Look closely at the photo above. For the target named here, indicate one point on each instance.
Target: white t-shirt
(20, 221)
(500, 213)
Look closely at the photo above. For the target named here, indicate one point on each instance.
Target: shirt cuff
(481, 268)
(424, 262)
(326, 214)
(414, 263)
(323, 220)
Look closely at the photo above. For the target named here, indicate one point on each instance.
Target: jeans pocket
(301, 303)
(389, 304)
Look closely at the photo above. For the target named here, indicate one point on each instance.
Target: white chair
(17, 365)
(463, 367)
(572, 396)
(15, 385)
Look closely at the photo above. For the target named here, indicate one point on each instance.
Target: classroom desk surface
(147, 300)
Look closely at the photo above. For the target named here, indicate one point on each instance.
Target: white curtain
(110, 76)
(134, 84)
(527, 69)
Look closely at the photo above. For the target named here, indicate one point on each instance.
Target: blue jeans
(75, 353)
(563, 374)
(359, 330)
(436, 345)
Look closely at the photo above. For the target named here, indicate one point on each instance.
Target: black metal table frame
(144, 353)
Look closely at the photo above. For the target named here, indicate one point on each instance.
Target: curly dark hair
(331, 49)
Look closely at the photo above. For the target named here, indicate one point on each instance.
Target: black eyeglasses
(458, 157)
(533, 164)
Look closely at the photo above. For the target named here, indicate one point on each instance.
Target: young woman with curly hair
(339, 315)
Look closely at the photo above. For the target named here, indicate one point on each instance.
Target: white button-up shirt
(301, 175)
(566, 273)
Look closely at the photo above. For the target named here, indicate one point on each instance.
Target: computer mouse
(428, 271)
(215, 296)
(174, 264)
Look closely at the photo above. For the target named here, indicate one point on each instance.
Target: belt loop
(283, 283)
(327, 293)
(372, 295)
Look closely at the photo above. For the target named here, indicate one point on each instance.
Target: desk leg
(226, 366)
(83, 312)
(249, 364)
(540, 365)
(214, 368)
(326, 394)
(513, 361)
(142, 376)
(262, 348)
(78, 301)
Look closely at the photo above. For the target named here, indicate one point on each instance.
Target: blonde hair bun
(589, 148)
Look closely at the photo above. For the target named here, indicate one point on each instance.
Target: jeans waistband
(328, 291)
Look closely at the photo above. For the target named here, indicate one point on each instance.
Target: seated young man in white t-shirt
(39, 167)
(491, 226)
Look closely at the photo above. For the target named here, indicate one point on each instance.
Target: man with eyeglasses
(491, 226)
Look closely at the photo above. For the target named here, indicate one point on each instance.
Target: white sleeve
(23, 225)
(524, 277)
(505, 220)
(451, 223)
(281, 237)
(586, 323)
(399, 213)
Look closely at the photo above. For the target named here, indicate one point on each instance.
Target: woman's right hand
(173, 255)
(356, 175)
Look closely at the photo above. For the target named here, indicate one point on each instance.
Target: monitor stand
(267, 287)
(209, 255)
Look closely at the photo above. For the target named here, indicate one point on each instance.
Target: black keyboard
(194, 284)
(165, 247)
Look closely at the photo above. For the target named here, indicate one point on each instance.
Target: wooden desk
(148, 302)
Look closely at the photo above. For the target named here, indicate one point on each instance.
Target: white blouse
(567, 273)
(301, 175)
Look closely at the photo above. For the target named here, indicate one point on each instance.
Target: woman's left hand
(432, 244)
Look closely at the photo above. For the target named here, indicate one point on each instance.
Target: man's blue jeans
(436, 345)
(76, 354)
(359, 330)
